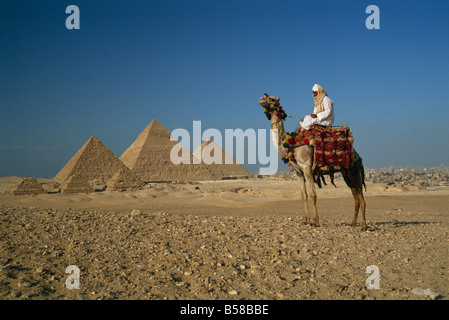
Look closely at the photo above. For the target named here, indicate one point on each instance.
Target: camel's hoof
(306, 222)
(364, 228)
(316, 224)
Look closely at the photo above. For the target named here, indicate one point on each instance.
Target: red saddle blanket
(332, 145)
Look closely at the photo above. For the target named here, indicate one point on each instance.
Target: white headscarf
(319, 98)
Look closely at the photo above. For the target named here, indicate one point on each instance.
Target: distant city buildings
(394, 177)
(425, 177)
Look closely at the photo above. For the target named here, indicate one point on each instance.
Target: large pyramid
(149, 158)
(92, 163)
(218, 161)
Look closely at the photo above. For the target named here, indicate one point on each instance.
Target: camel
(304, 168)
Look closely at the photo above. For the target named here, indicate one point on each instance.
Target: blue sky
(180, 61)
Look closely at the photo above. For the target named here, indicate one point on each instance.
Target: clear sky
(210, 60)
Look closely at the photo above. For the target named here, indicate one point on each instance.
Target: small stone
(394, 221)
(180, 284)
(135, 213)
(40, 270)
(341, 287)
(232, 292)
(16, 293)
(425, 292)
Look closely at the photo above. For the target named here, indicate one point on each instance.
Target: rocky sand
(152, 254)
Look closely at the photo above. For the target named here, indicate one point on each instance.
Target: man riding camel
(323, 113)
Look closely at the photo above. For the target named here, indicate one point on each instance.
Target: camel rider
(323, 113)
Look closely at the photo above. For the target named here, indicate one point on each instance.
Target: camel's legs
(310, 187)
(359, 204)
(302, 188)
(363, 205)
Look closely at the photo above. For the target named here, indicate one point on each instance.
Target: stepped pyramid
(27, 186)
(149, 158)
(225, 166)
(92, 163)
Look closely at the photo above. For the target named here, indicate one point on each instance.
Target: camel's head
(271, 106)
(266, 101)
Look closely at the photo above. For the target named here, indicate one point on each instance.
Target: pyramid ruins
(219, 162)
(94, 162)
(149, 158)
(29, 186)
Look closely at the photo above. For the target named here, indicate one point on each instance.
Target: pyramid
(76, 184)
(92, 163)
(121, 181)
(218, 161)
(149, 158)
(28, 186)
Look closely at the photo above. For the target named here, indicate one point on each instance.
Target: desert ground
(231, 239)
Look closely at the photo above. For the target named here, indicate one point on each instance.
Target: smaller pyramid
(76, 184)
(29, 186)
(93, 163)
(124, 181)
(218, 161)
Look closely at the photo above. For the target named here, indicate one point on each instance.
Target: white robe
(325, 118)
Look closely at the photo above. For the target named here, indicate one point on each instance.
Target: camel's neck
(279, 138)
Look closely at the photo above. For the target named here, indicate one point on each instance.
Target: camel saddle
(332, 148)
